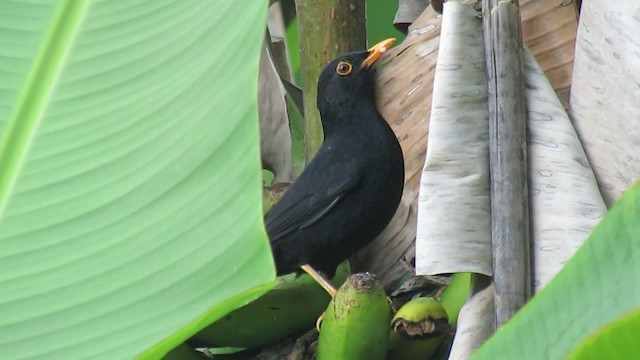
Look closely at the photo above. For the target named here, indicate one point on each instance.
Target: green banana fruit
(455, 295)
(418, 330)
(288, 309)
(356, 323)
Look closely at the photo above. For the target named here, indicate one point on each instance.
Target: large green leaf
(618, 340)
(129, 173)
(597, 286)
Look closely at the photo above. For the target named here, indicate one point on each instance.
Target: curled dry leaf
(549, 30)
(562, 217)
(563, 195)
(604, 100)
(408, 12)
(275, 138)
(454, 219)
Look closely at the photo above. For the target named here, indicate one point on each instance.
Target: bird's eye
(344, 68)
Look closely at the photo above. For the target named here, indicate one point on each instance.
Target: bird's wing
(313, 198)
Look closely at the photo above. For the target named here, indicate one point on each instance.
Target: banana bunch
(357, 322)
(288, 309)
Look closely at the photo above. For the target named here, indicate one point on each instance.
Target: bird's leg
(321, 280)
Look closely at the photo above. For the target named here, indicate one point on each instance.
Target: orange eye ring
(344, 68)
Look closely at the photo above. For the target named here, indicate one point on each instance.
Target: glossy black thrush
(351, 189)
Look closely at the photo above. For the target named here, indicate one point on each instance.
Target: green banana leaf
(596, 292)
(618, 340)
(130, 179)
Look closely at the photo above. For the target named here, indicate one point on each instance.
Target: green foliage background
(130, 187)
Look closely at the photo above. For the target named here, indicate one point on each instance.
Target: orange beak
(376, 51)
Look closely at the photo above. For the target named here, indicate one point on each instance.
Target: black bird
(351, 189)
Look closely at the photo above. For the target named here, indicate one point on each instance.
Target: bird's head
(349, 76)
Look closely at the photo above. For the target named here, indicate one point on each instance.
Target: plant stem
(326, 29)
(508, 157)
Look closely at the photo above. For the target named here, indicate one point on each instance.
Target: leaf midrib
(24, 121)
